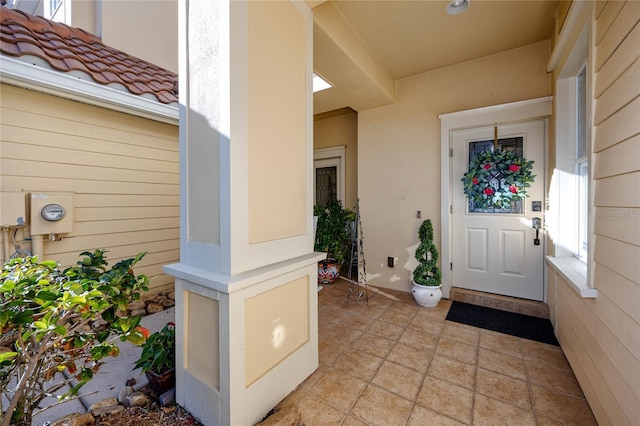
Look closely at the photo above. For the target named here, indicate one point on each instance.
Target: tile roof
(68, 49)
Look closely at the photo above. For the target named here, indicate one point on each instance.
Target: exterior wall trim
(23, 74)
(574, 274)
(571, 23)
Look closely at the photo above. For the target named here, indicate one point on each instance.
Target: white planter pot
(426, 296)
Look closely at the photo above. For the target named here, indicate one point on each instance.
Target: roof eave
(17, 72)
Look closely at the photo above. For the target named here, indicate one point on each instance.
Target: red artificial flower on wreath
(488, 191)
(475, 181)
(514, 168)
(513, 189)
(487, 166)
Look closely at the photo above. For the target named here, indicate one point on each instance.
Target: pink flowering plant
(496, 179)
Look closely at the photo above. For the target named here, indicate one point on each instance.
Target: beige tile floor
(396, 363)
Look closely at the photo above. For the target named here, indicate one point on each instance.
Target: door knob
(536, 222)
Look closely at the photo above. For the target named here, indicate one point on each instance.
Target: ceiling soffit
(362, 47)
(359, 79)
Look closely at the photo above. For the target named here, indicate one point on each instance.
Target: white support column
(246, 317)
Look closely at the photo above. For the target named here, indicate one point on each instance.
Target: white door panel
(494, 251)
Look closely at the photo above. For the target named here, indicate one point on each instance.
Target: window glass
(582, 164)
(326, 185)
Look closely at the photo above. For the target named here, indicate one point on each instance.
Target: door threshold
(504, 303)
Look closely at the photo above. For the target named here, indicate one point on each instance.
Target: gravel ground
(149, 415)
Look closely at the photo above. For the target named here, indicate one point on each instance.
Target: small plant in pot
(158, 359)
(333, 234)
(427, 278)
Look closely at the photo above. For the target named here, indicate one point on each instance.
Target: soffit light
(319, 83)
(457, 6)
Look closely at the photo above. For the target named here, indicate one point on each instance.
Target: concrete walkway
(111, 377)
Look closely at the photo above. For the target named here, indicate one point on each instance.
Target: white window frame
(59, 12)
(51, 8)
(570, 192)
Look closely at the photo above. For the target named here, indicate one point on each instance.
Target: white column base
(244, 342)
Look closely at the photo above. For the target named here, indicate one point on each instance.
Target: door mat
(525, 326)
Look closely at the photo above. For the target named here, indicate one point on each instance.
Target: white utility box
(12, 209)
(51, 213)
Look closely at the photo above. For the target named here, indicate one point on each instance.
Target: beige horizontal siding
(622, 58)
(610, 11)
(583, 340)
(618, 191)
(601, 336)
(618, 224)
(622, 92)
(122, 170)
(616, 32)
(621, 158)
(613, 319)
(622, 125)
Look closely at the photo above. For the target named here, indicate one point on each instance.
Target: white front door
(494, 250)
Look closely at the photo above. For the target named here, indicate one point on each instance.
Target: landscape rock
(124, 393)
(154, 308)
(147, 296)
(137, 399)
(168, 397)
(75, 419)
(107, 410)
(136, 304)
(108, 402)
(167, 303)
(139, 312)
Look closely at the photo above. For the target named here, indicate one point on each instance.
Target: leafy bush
(61, 321)
(333, 233)
(158, 352)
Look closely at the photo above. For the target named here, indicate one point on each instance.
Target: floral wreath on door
(497, 178)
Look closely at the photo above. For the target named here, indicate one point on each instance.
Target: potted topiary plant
(427, 278)
(333, 235)
(158, 357)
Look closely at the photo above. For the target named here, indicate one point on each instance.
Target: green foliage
(158, 352)
(496, 179)
(48, 317)
(333, 233)
(427, 272)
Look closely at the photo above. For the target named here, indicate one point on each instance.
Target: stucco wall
(399, 149)
(601, 336)
(122, 170)
(145, 29)
(341, 130)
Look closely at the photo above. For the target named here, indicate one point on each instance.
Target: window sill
(574, 273)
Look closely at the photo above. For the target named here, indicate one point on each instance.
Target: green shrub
(49, 316)
(427, 272)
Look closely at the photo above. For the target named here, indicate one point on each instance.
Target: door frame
(497, 115)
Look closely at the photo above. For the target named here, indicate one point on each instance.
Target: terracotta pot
(160, 383)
